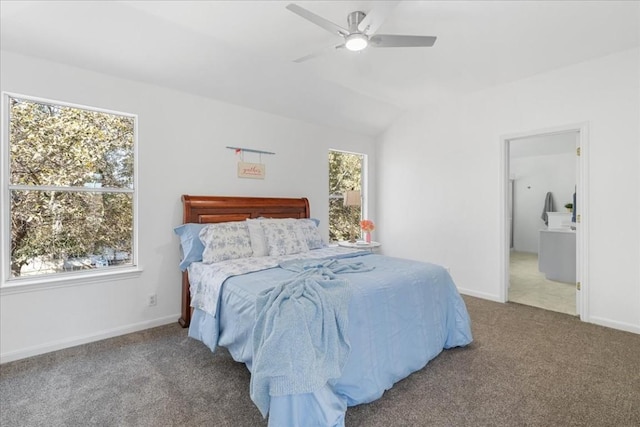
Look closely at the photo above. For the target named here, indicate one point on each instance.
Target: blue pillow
(316, 220)
(192, 247)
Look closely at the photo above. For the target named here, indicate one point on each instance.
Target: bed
(320, 329)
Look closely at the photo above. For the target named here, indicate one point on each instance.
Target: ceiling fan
(361, 31)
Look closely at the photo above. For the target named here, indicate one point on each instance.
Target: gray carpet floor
(526, 367)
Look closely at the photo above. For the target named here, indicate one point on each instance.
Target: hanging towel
(548, 207)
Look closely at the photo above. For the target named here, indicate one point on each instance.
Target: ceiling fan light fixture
(356, 42)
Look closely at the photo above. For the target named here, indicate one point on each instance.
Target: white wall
(534, 177)
(182, 141)
(440, 179)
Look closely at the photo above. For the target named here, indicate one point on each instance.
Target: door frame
(582, 196)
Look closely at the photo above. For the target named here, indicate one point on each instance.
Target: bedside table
(360, 245)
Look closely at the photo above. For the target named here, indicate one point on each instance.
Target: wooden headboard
(211, 209)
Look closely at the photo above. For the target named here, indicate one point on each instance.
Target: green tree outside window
(345, 174)
(71, 188)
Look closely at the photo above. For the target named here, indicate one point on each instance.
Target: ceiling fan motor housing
(353, 20)
(356, 40)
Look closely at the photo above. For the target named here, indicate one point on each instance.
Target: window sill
(17, 286)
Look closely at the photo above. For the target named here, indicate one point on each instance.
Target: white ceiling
(241, 51)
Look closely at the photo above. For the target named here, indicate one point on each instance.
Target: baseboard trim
(72, 342)
(490, 297)
(621, 326)
(627, 327)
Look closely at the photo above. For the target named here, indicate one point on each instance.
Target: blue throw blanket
(300, 336)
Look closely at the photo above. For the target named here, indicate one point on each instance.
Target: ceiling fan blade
(318, 53)
(318, 20)
(374, 19)
(392, 40)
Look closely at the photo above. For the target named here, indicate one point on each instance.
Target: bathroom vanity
(557, 254)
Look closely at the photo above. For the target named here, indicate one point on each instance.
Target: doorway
(544, 261)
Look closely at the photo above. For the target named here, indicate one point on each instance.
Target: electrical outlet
(153, 300)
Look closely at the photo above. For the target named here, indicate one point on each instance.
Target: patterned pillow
(256, 233)
(225, 240)
(284, 238)
(311, 234)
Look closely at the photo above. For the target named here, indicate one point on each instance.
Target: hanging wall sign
(251, 170)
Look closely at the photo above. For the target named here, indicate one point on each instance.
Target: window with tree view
(345, 174)
(70, 188)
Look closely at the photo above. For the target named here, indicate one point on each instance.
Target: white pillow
(258, 240)
(310, 233)
(225, 240)
(284, 238)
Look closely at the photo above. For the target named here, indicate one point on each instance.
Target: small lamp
(352, 198)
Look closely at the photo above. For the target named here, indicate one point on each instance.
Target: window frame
(10, 284)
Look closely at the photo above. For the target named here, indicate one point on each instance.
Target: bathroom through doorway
(544, 196)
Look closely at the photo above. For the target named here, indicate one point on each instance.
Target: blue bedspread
(401, 315)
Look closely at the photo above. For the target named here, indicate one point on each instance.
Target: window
(70, 188)
(345, 174)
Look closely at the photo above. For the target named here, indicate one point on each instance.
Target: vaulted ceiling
(242, 52)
